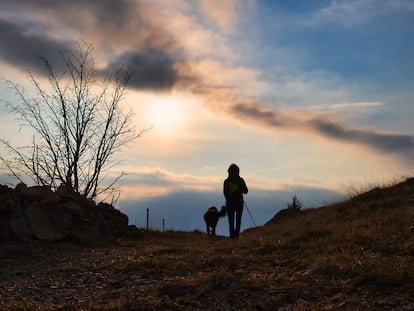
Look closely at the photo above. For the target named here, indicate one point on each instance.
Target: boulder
(54, 222)
(43, 225)
(20, 228)
(38, 212)
(113, 221)
(37, 193)
(6, 203)
(5, 229)
(85, 233)
(65, 214)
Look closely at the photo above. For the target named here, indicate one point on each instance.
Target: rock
(6, 213)
(85, 233)
(42, 224)
(6, 203)
(19, 187)
(5, 230)
(5, 189)
(65, 214)
(38, 212)
(37, 193)
(71, 208)
(132, 232)
(21, 228)
(113, 221)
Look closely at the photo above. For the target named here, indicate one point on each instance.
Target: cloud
(407, 5)
(144, 183)
(222, 13)
(214, 74)
(183, 210)
(151, 69)
(325, 125)
(357, 12)
(353, 106)
(22, 49)
(122, 33)
(147, 182)
(134, 34)
(108, 14)
(387, 142)
(320, 124)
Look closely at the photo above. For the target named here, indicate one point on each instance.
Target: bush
(295, 204)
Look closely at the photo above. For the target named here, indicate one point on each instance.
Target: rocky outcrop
(38, 212)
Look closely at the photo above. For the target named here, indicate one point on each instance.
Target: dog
(211, 217)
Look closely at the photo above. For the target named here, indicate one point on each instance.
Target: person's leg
(230, 214)
(239, 212)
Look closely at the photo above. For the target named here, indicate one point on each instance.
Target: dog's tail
(223, 211)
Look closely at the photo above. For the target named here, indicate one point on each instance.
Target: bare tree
(79, 125)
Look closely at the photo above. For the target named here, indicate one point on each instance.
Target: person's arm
(244, 186)
(225, 191)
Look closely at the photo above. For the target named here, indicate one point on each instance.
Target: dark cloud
(267, 116)
(21, 49)
(146, 49)
(151, 69)
(381, 141)
(109, 24)
(386, 142)
(104, 9)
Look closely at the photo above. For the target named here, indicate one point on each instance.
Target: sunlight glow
(166, 113)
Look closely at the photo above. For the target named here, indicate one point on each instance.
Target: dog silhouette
(211, 217)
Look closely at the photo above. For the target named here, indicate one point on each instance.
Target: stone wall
(39, 213)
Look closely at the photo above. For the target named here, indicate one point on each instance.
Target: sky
(312, 98)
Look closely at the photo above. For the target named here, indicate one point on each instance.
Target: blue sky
(312, 98)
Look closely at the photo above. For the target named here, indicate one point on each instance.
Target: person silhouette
(234, 187)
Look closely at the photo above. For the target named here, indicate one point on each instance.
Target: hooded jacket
(234, 186)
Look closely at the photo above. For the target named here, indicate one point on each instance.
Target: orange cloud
(221, 12)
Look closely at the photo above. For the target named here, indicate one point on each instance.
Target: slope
(352, 255)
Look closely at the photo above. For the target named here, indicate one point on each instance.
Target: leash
(250, 214)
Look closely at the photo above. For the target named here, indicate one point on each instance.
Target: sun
(166, 113)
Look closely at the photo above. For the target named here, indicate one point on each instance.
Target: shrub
(295, 204)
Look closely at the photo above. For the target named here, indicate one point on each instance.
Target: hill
(352, 255)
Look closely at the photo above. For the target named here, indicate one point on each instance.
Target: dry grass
(352, 255)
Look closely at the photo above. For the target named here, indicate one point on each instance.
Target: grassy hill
(353, 255)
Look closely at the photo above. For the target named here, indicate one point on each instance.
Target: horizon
(308, 98)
